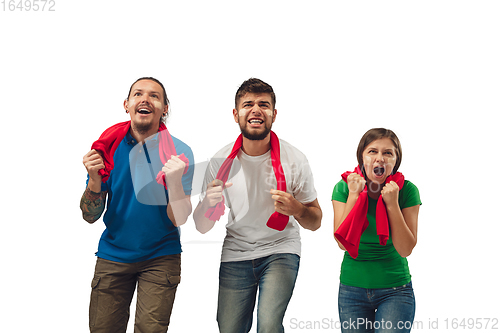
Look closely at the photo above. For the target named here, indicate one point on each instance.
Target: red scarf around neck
(356, 222)
(277, 220)
(111, 138)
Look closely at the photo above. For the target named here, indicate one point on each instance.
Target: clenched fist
(390, 193)
(93, 162)
(285, 203)
(173, 169)
(355, 183)
(214, 192)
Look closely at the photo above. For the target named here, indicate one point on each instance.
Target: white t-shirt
(250, 203)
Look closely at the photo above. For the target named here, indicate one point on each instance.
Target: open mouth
(378, 171)
(255, 121)
(143, 111)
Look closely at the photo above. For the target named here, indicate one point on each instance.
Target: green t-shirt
(377, 266)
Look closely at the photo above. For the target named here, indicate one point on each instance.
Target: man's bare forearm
(179, 203)
(311, 215)
(202, 223)
(92, 205)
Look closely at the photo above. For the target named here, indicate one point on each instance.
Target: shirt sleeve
(409, 195)
(187, 178)
(304, 190)
(210, 174)
(340, 191)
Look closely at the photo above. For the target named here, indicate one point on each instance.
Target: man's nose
(144, 99)
(256, 109)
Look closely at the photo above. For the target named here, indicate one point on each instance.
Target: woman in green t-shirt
(376, 292)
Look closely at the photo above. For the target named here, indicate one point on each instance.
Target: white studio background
(429, 70)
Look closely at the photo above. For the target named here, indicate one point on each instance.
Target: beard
(143, 127)
(255, 136)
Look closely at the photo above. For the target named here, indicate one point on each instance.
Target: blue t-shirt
(137, 225)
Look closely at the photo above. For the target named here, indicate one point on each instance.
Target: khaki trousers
(113, 287)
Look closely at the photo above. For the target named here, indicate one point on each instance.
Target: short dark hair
(254, 86)
(375, 134)
(165, 98)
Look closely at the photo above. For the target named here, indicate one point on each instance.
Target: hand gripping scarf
(356, 222)
(110, 140)
(277, 220)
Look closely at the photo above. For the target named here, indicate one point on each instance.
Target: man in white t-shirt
(256, 256)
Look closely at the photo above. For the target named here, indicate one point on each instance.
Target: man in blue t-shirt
(141, 244)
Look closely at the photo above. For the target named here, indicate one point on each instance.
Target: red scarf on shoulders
(356, 222)
(277, 220)
(110, 140)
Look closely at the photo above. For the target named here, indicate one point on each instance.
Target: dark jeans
(376, 310)
(113, 287)
(274, 276)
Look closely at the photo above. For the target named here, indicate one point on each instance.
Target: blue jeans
(274, 276)
(376, 310)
